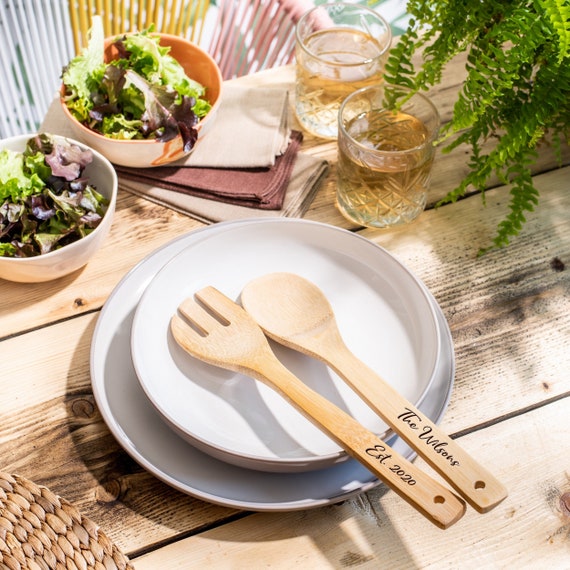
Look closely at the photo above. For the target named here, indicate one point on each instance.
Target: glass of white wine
(386, 147)
(340, 47)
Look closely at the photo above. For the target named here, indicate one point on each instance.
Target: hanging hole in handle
(439, 500)
(480, 484)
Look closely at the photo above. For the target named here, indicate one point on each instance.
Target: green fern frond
(558, 11)
(515, 95)
(399, 64)
(524, 198)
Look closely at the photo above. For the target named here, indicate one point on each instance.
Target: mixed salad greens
(45, 201)
(144, 94)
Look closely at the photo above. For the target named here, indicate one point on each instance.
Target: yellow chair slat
(180, 17)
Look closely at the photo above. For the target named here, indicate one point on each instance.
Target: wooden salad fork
(212, 328)
(296, 313)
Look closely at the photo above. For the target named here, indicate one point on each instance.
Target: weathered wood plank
(509, 310)
(530, 529)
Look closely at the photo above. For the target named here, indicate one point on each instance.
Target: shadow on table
(356, 533)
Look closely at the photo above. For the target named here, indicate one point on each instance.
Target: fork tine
(210, 326)
(198, 317)
(220, 305)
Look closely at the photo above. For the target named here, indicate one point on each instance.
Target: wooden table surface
(509, 315)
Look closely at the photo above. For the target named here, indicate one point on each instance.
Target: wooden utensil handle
(431, 498)
(475, 483)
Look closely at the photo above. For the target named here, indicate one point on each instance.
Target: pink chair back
(251, 35)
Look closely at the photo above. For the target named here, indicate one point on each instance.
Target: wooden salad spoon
(296, 313)
(218, 331)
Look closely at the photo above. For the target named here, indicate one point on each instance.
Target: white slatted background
(35, 43)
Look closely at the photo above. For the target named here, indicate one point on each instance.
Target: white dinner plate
(383, 314)
(139, 429)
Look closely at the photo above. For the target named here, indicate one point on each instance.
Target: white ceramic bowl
(75, 255)
(198, 65)
(384, 315)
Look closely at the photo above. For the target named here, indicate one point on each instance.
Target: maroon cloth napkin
(262, 188)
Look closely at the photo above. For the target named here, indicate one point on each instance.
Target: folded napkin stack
(247, 164)
(250, 187)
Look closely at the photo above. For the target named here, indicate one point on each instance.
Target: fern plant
(516, 93)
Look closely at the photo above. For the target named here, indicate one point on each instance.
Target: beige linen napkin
(251, 128)
(262, 188)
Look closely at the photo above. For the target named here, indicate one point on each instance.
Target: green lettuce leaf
(14, 181)
(143, 94)
(45, 200)
(77, 75)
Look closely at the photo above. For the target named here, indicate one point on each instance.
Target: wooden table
(509, 314)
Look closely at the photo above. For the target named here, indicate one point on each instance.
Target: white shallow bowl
(383, 312)
(75, 255)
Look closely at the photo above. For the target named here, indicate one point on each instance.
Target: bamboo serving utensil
(218, 331)
(295, 313)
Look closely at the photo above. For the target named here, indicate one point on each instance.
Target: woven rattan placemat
(41, 531)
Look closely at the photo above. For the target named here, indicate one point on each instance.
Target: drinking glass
(340, 47)
(385, 155)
